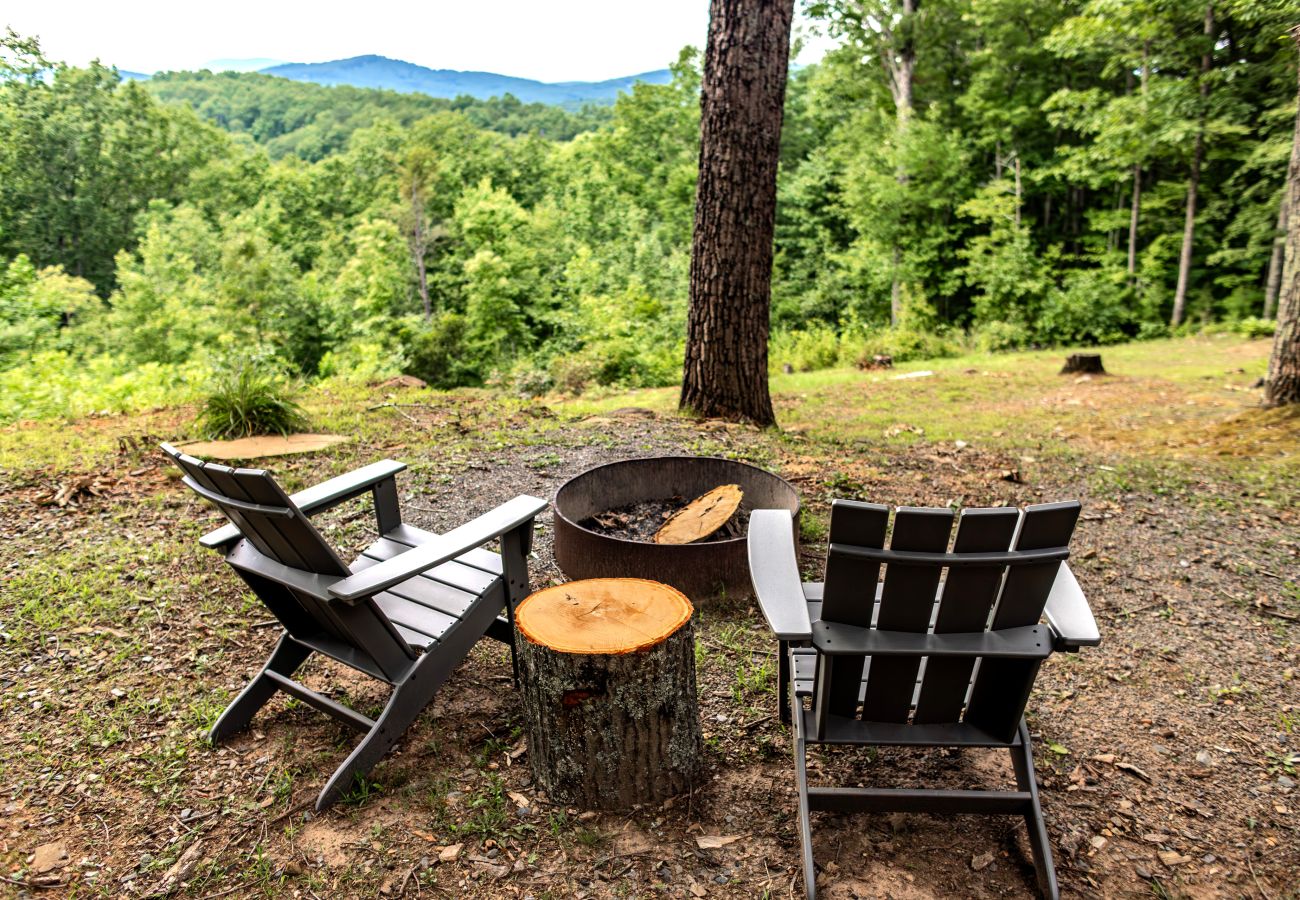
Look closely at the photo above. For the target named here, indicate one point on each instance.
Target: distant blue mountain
(241, 65)
(405, 77)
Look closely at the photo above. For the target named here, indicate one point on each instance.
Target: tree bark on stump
(1083, 364)
(607, 671)
(741, 102)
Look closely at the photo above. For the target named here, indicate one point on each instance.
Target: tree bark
(419, 241)
(611, 722)
(1137, 178)
(1282, 386)
(741, 103)
(900, 66)
(1275, 260)
(1133, 224)
(1194, 179)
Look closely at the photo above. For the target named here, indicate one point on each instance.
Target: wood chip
(714, 841)
(1134, 771)
(49, 857)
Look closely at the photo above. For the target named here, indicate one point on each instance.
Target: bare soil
(1167, 756)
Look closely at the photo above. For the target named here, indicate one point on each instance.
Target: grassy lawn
(121, 640)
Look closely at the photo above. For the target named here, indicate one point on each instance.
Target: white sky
(549, 40)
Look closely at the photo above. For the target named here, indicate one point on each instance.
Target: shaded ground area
(1168, 757)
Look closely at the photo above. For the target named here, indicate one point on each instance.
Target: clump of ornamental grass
(248, 397)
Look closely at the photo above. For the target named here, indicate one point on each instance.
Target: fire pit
(600, 496)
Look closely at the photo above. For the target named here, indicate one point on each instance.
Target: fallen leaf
(714, 841)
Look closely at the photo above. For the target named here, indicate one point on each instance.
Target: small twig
(1263, 893)
(289, 812)
(229, 890)
(401, 891)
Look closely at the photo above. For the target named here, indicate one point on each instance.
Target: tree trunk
(741, 102)
(607, 676)
(1282, 385)
(419, 241)
(1133, 224)
(1137, 178)
(1194, 180)
(900, 65)
(1275, 259)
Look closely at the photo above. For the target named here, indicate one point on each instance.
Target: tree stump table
(607, 667)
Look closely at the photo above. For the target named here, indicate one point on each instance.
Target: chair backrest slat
(906, 604)
(1001, 688)
(968, 597)
(849, 596)
(1025, 593)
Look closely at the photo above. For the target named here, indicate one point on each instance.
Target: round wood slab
(603, 615)
(702, 516)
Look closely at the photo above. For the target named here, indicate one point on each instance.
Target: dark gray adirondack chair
(406, 611)
(918, 659)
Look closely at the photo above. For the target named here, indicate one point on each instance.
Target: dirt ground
(1167, 757)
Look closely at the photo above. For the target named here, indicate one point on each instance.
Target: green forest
(986, 174)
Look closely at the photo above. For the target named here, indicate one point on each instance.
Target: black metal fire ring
(702, 570)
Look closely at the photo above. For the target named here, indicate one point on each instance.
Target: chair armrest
(397, 569)
(321, 497)
(1069, 615)
(774, 571)
(246, 558)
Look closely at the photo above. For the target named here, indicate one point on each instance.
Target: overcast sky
(549, 40)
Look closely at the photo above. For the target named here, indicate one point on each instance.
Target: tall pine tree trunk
(900, 64)
(1282, 386)
(1274, 279)
(741, 104)
(1137, 177)
(1134, 206)
(1194, 180)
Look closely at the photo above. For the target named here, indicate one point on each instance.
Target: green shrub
(250, 396)
(806, 350)
(439, 352)
(1152, 331)
(901, 344)
(1091, 307)
(998, 337)
(1254, 327)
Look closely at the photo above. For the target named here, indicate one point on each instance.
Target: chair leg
(783, 698)
(284, 660)
(408, 700)
(805, 819)
(1023, 759)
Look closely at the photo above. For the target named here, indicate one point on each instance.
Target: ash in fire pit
(640, 521)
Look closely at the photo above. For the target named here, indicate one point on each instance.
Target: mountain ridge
(375, 71)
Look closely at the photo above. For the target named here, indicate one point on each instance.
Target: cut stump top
(603, 615)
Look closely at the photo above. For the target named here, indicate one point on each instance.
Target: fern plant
(249, 397)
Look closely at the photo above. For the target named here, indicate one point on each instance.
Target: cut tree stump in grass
(607, 671)
(1083, 364)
